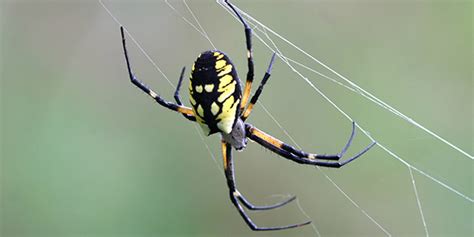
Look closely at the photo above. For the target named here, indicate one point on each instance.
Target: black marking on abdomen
(210, 87)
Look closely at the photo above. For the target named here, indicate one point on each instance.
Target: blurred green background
(84, 153)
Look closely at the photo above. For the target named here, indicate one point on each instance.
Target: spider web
(275, 42)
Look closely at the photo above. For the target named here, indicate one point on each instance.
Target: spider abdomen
(215, 92)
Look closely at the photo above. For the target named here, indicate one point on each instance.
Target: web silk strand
(373, 99)
(160, 71)
(361, 91)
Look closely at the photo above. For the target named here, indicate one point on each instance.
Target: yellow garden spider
(219, 106)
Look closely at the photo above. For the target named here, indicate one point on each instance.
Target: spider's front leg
(250, 73)
(254, 99)
(300, 156)
(248, 42)
(235, 195)
(187, 112)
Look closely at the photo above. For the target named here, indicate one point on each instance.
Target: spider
(219, 106)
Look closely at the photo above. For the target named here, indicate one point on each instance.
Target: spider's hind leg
(235, 196)
(248, 110)
(325, 156)
(300, 156)
(252, 207)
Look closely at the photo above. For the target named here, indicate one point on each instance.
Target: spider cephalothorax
(237, 138)
(220, 106)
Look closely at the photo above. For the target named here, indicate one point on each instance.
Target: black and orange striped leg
(254, 99)
(299, 156)
(177, 97)
(144, 88)
(235, 195)
(248, 41)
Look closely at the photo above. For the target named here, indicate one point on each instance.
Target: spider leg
(177, 96)
(324, 156)
(235, 196)
(254, 99)
(244, 201)
(298, 156)
(178, 108)
(178, 87)
(250, 206)
(248, 41)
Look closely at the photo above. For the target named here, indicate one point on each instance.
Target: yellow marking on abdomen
(226, 107)
(225, 70)
(200, 111)
(199, 89)
(226, 91)
(218, 55)
(209, 87)
(191, 99)
(214, 108)
(199, 118)
(224, 81)
(220, 64)
(227, 116)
